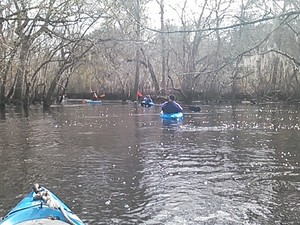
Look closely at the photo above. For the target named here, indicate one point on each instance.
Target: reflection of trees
(16, 154)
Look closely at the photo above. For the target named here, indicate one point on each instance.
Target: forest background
(208, 50)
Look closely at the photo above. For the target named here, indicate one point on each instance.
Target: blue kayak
(172, 116)
(40, 207)
(147, 104)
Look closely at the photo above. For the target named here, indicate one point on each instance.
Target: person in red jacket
(171, 106)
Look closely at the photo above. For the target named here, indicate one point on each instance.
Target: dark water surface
(120, 164)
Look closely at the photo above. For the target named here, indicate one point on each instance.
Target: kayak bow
(40, 207)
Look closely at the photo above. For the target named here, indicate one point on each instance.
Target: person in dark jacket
(171, 106)
(147, 101)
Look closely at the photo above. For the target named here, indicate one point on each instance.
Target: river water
(121, 164)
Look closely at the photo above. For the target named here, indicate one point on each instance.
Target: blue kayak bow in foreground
(41, 207)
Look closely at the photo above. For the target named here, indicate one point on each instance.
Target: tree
(34, 23)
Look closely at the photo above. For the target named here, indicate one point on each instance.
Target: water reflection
(2, 114)
(122, 164)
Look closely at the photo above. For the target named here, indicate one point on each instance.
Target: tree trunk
(153, 77)
(137, 53)
(163, 49)
(2, 95)
(21, 71)
(26, 96)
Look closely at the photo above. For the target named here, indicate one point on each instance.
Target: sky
(171, 6)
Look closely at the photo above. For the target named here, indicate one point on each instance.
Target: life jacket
(171, 107)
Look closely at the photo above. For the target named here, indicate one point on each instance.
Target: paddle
(191, 108)
(194, 108)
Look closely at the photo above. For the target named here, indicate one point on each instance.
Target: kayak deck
(40, 207)
(43, 222)
(172, 116)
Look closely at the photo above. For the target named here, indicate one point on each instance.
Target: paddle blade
(195, 108)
